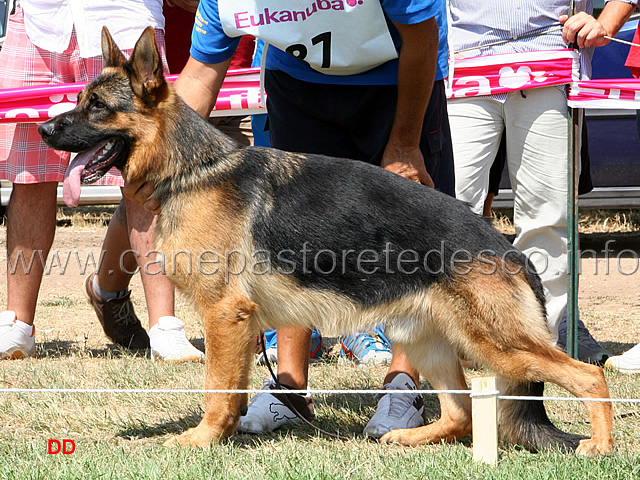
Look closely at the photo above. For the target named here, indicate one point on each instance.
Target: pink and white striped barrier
(484, 75)
(621, 93)
(240, 91)
(493, 74)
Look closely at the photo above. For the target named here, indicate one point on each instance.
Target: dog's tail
(525, 422)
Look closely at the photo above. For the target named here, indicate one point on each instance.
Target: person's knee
(33, 195)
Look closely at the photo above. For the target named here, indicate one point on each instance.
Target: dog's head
(115, 114)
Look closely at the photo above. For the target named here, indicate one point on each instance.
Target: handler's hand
(584, 30)
(407, 162)
(140, 193)
(188, 5)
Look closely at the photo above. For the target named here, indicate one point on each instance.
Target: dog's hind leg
(498, 321)
(229, 356)
(439, 365)
(580, 379)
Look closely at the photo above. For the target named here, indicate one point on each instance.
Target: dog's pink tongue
(72, 179)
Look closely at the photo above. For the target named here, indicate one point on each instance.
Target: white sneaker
(271, 354)
(628, 362)
(267, 413)
(169, 342)
(15, 340)
(397, 410)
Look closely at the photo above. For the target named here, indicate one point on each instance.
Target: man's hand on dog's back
(408, 162)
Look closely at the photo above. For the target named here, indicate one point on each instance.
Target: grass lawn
(121, 436)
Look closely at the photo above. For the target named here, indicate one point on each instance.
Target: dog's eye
(98, 105)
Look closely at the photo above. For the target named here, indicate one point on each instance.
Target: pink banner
(484, 75)
(621, 93)
(493, 74)
(240, 92)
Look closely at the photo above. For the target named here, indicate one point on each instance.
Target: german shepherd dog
(304, 240)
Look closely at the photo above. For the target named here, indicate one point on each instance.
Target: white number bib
(337, 37)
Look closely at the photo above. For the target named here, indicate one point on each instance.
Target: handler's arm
(417, 64)
(199, 84)
(588, 31)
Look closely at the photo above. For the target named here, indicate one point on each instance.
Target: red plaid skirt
(24, 158)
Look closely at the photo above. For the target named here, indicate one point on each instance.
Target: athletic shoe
(628, 362)
(169, 342)
(267, 412)
(589, 350)
(367, 348)
(118, 319)
(15, 341)
(397, 410)
(271, 344)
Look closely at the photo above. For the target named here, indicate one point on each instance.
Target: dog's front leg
(229, 355)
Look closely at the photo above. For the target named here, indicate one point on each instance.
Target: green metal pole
(572, 238)
(572, 221)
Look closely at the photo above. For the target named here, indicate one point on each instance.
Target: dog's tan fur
(493, 318)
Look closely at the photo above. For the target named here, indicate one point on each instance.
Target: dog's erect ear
(111, 54)
(146, 64)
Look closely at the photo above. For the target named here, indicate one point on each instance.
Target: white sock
(106, 294)
(25, 327)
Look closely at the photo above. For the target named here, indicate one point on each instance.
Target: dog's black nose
(47, 129)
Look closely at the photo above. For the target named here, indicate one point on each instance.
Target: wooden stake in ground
(484, 417)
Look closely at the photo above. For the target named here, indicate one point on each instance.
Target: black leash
(284, 398)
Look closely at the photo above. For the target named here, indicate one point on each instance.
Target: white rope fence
(484, 400)
(252, 391)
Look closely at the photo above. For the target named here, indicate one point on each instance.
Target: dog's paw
(403, 436)
(195, 437)
(590, 447)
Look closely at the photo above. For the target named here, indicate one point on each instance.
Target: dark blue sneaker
(372, 348)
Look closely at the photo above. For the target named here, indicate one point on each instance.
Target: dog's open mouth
(88, 167)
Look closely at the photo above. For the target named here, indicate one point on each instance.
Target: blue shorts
(353, 121)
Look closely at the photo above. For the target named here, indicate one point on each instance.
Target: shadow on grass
(353, 411)
(142, 430)
(67, 348)
(617, 348)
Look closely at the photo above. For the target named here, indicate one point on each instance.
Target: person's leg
(476, 127)
(400, 364)
(108, 288)
(34, 170)
(158, 289)
(293, 357)
(166, 332)
(31, 224)
(117, 268)
(537, 137)
(538, 168)
(397, 411)
(292, 127)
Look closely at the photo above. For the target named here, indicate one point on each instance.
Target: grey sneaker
(267, 412)
(397, 410)
(589, 350)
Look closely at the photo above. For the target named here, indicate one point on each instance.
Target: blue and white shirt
(480, 22)
(210, 43)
